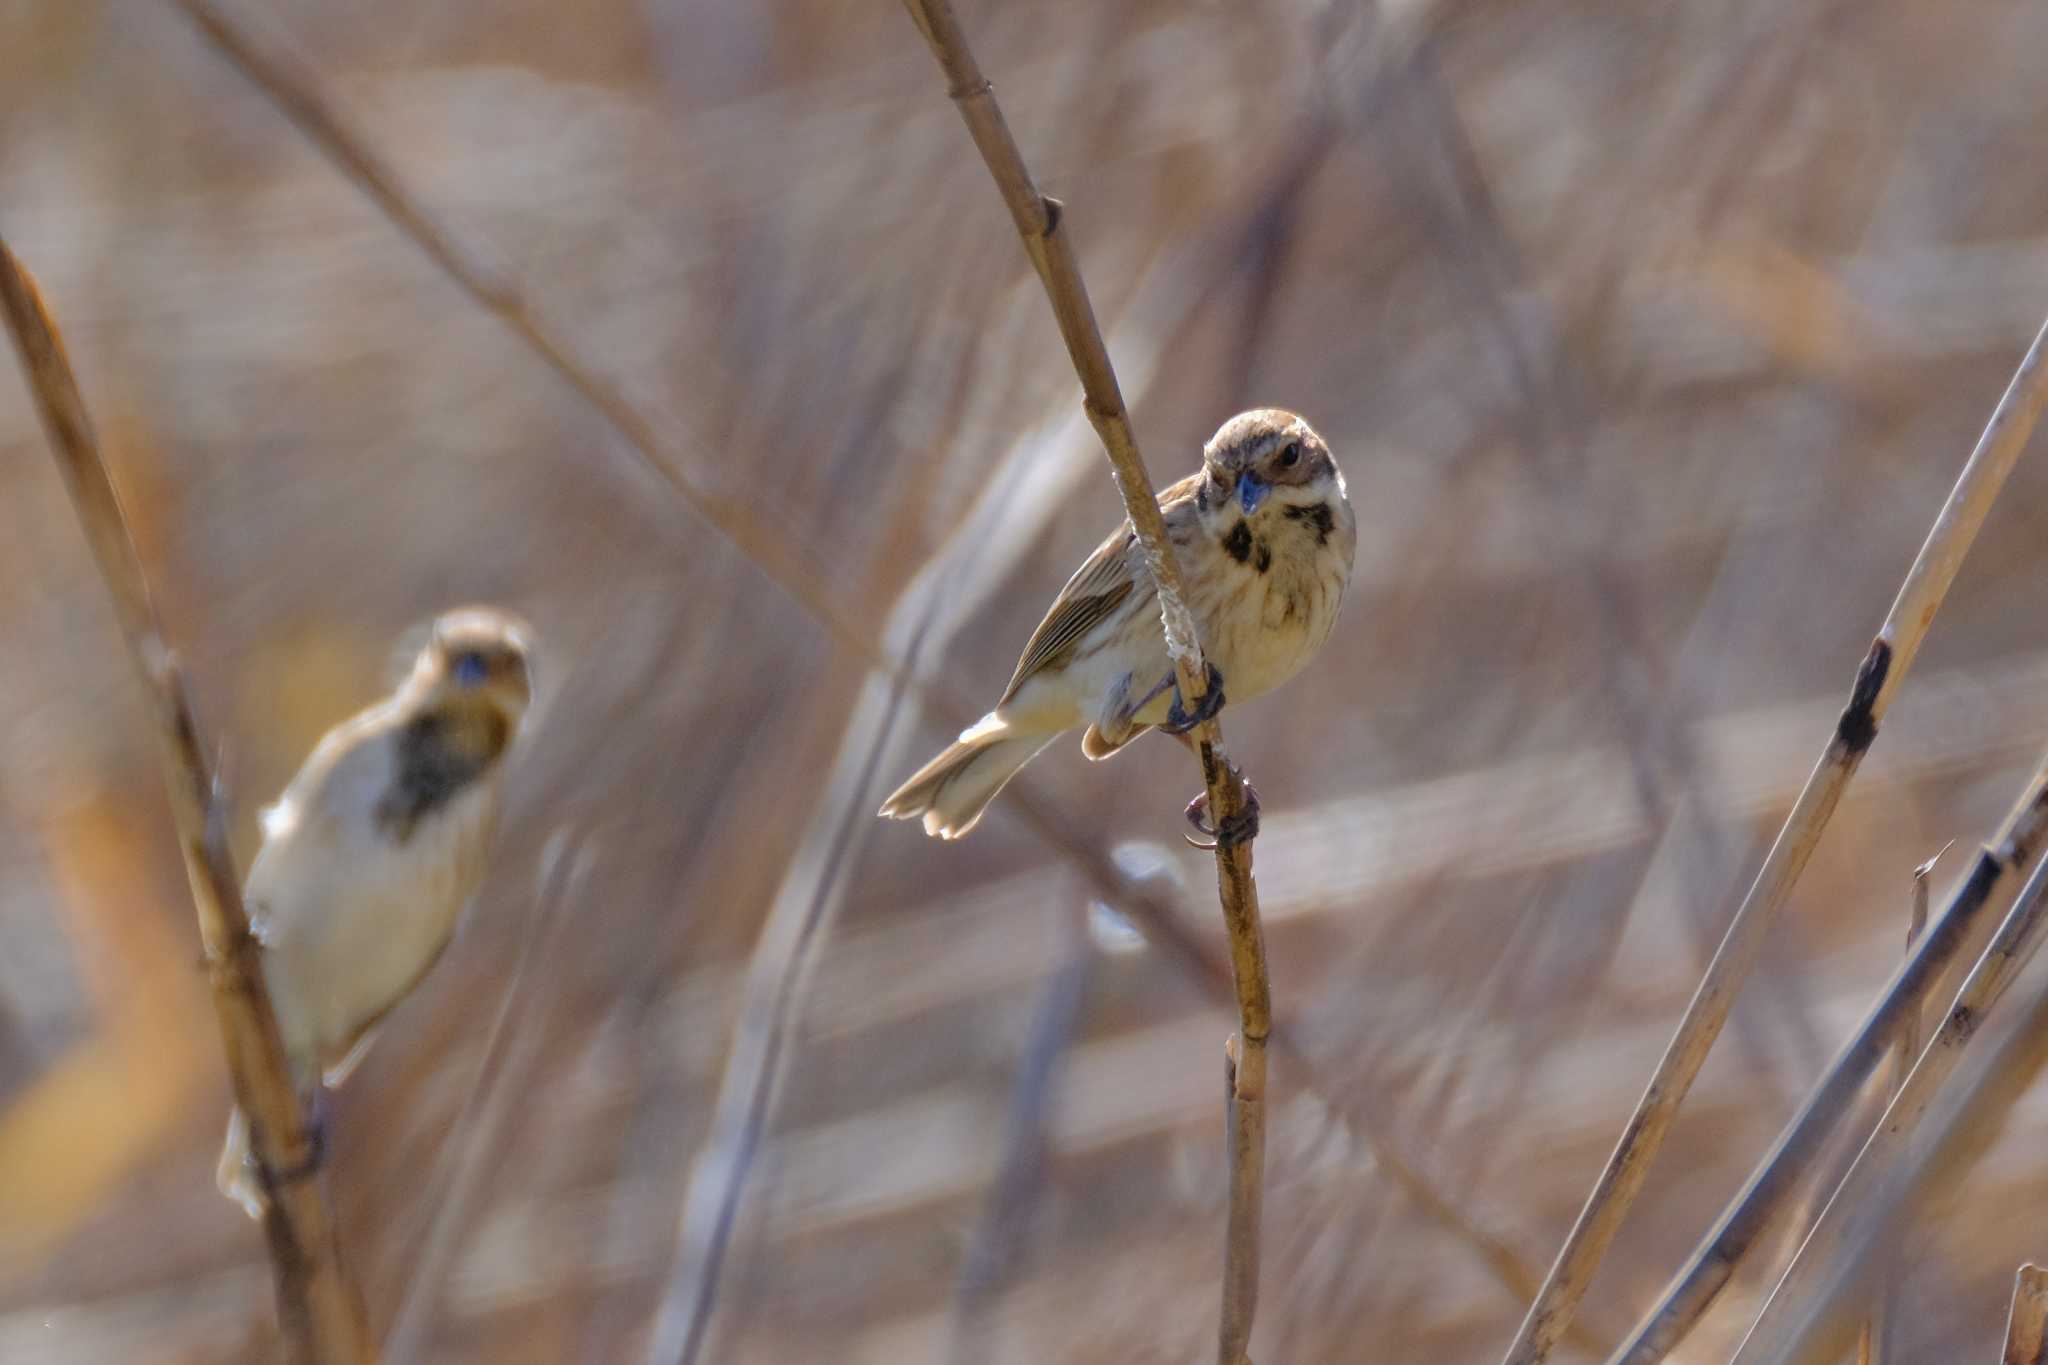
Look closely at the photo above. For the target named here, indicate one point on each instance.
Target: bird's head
(478, 655)
(1268, 457)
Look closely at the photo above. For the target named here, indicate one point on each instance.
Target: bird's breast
(354, 917)
(1266, 605)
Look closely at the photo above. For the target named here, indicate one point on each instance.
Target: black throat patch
(1317, 517)
(1238, 544)
(439, 754)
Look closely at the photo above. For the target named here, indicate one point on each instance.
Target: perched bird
(372, 851)
(1264, 537)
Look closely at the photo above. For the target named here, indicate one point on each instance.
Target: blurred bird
(373, 850)
(1264, 536)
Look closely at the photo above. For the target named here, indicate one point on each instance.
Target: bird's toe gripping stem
(1240, 828)
(1178, 720)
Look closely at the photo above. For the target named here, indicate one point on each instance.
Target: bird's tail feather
(950, 792)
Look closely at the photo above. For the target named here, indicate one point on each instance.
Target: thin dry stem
(1778, 1176)
(1038, 223)
(318, 1307)
(1795, 1307)
(297, 92)
(2026, 1326)
(1874, 1345)
(1974, 1108)
(1877, 683)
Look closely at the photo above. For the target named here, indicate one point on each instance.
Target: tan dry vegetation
(1776, 262)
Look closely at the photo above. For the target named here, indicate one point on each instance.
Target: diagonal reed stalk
(2026, 1325)
(1875, 1344)
(1037, 219)
(1877, 682)
(319, 1310)
(1771, 1187)
(1858, 1204)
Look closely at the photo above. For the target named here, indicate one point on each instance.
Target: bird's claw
(1178, 721)
(1240, 828)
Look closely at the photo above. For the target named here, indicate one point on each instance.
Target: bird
(1264, 536)
(370, 855)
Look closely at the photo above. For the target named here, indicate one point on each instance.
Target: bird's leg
(1240, 828)
(1178, 721)
(1114, 722)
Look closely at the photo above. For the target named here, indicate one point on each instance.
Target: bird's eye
(470, 668)
(1290, 454)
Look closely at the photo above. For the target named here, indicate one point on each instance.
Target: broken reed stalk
(2008, 1056)
(1794, 1307)
(1877, 682)
(1874, 1345)
(2026, 1326)
(319, 1310)
(1771, 1186)
(1037, 220)
(294, 89)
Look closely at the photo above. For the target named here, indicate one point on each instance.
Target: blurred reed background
(1650, 338)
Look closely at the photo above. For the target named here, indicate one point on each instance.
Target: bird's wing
(1096, 590)
(305, 839)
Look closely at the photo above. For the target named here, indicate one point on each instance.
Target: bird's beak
(1251, 492)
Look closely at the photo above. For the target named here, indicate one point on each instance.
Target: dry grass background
(1650, 337)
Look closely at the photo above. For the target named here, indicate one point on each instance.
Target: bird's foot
(1241, 828)
(1179, 721)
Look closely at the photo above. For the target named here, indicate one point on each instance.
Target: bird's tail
(950, 792)
(236, 1174)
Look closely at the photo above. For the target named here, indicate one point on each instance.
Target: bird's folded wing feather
(307, 834)
(1097, 588)
(1095, 591)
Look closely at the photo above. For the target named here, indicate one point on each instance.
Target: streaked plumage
(373, 850)
(1264, 536)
